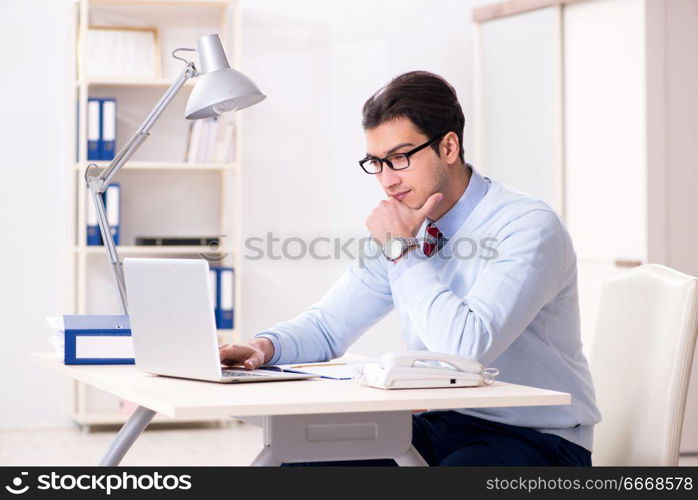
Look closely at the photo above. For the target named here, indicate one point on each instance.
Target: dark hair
(428, 100)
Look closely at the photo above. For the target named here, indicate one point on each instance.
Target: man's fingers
(234, 353)
(429, 205)
(241, 354)
(254, 360)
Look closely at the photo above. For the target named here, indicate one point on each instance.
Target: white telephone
(423, 369)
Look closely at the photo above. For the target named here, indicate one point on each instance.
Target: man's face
(427, 173)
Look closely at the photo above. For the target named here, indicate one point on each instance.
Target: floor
(234, 444)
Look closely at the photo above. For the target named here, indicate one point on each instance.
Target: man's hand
(251, 354)
(392, 218)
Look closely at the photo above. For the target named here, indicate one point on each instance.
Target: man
(493, 279)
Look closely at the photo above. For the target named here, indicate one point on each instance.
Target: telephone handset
(423, 369)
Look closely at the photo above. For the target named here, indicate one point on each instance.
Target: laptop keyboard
(244, 373)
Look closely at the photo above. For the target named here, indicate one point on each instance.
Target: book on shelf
(122, 52)
(108, 129)
(114, 210)
(94, 125)
(223, 295)
(101, 128)
(112, 203)
(198, 241)
(211, 140)
(94, 237)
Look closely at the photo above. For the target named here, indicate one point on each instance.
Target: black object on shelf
(165, 241)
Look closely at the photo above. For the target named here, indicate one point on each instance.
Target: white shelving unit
(162, 194)
(165, 165)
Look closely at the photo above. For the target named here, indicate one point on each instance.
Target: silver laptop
(173, 324)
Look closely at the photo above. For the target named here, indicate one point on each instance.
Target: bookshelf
(162, 194)
(155, 251)
(129, 82)
(166, 165)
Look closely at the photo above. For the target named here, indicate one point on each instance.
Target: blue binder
(113, 206)
(94, 128)
(215, 293)
(110, 336)
(107, 143)
(225, 310)
(94, 237)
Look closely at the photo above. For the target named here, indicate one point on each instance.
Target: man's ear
(450, 148)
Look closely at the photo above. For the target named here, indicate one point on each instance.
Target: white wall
(318, 62)
(34, 144)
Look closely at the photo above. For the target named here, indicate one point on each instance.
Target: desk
(304, 420)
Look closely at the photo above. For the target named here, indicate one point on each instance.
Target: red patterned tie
(432, 239)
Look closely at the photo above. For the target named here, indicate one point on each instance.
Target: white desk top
(191, 398)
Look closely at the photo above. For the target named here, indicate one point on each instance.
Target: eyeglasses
(395, 161)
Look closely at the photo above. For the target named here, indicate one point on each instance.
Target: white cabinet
(626, 115)
(605, 126)
(604, 157)
(517, 103)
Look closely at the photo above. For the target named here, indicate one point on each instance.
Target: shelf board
(164, 165)
(151, 250)
(193, 3)
(115, 81)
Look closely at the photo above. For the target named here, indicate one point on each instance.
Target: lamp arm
(112, 256)
(143, 131)
(98, 183)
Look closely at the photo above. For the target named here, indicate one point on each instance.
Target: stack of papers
(335, 370)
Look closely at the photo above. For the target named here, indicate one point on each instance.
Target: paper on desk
(332, 370)
(56, 322)
(57, 340)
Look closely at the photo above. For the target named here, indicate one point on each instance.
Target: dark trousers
(451, 438)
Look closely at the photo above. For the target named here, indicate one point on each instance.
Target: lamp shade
(219, 88)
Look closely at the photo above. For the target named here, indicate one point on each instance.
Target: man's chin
(409, 200)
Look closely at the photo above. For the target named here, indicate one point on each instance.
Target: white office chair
(641, 363)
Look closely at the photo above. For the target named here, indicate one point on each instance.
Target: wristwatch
(395, 247)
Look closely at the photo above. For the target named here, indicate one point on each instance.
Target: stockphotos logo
(106, 483)
(17, 486)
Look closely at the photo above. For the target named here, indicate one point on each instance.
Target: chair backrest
(641, 361)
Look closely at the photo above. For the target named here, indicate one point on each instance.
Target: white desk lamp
(220, 89)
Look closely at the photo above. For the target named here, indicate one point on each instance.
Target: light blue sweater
(502, 290)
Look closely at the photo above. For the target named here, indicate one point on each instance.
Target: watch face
(393, 248)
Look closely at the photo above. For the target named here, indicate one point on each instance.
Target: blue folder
(215, 294)
(94, 128)
(102, 329)
(107, 142)
(225, 297)
(94, 236)
(113, 208)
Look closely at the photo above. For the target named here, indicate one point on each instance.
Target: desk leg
(128, 434)
(411, 459)
(265, 459)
